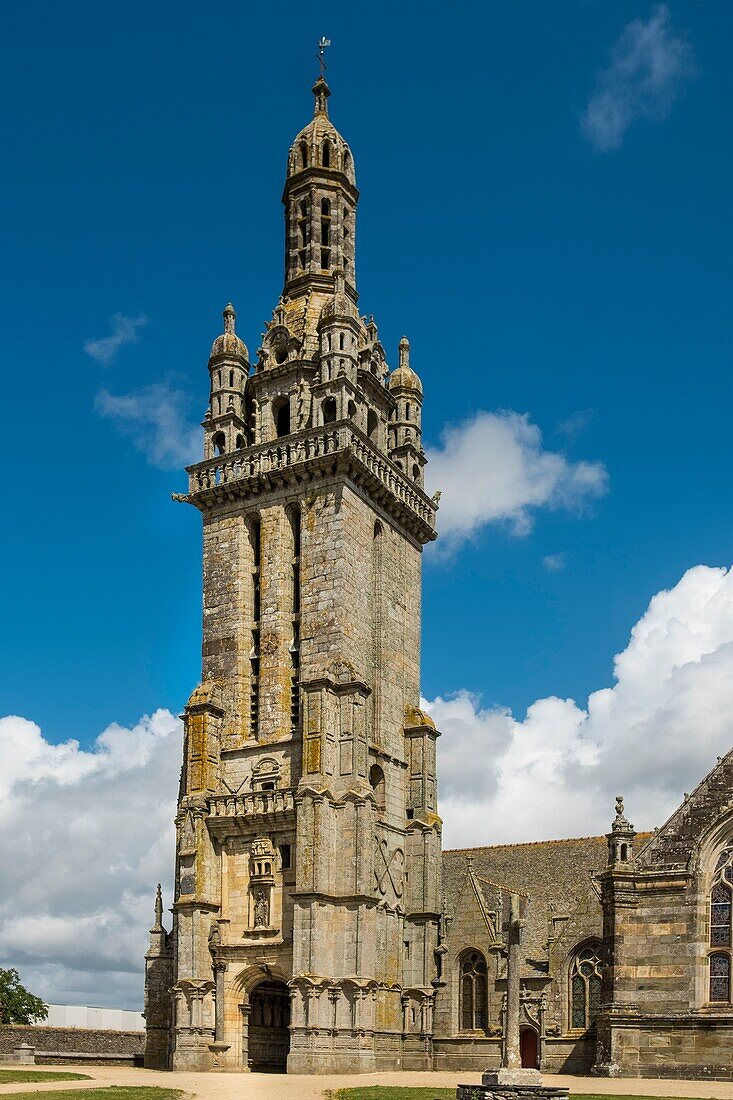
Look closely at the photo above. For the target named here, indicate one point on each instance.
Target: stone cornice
(309, 456)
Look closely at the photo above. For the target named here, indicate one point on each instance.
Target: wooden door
(528, 1048)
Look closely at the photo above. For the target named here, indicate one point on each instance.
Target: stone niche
(261, 888)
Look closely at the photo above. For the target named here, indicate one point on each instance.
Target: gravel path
(264, 1086)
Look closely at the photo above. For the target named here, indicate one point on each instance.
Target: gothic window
(585, 987)
(473, 992)
(303, 155)
(240, 442)
(329, 410)
(720, 978)
(254, 656)
(720, 913)
(347, 160)
(219, 443)
(372, 424)
(295, 528)
(326, 154)
(721, 899)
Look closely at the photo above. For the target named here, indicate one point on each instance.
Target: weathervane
(321, 59)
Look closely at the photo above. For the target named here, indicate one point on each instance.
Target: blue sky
(532, 270)
(546, 213)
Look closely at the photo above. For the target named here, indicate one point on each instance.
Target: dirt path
(263, 1086)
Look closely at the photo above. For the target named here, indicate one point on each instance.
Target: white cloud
(156, 419)
(648, 69)
(494, 469)
(652, 736)
(125, 330)
(91, 834)
(554, 563)
(92, 830)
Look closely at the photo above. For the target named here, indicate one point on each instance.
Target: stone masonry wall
(55, 1045)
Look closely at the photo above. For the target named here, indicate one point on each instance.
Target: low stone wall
(502, 1092)
(687, 1047)
(80, 1045)
(574, 1054)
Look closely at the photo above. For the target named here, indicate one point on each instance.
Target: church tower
(308, 841)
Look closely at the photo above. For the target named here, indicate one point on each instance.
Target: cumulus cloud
(88, 835)
(156, 419)
(493, 468)
(92, 829)
(648, 69)
(125, 330)
(651, 736)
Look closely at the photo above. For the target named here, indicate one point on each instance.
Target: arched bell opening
(269, 1027)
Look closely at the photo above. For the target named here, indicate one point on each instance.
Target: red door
(528, 1048)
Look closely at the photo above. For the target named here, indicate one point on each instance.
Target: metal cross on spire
(321, 59)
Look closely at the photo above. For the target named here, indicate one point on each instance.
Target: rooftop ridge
(534, 843)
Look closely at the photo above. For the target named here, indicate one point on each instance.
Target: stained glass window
(474, 993)
(721, 932)
(585, 987)
(720, 912)
(720, 978)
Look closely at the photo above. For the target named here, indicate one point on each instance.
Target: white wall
(106, 1019)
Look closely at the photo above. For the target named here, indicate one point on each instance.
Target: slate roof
(556, 876)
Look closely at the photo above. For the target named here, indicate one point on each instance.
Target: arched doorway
(269, 1027)
(528, 1048)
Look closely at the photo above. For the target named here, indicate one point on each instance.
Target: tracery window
(473, 993)
(585, 987)
(721, 906)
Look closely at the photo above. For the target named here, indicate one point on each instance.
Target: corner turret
(621, 838)
(225, 423)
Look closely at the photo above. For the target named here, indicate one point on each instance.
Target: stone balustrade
(301, 448)
(252, 804)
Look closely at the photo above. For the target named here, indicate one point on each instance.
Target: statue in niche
(262, 909)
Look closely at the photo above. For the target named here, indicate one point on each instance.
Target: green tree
(17, 1005)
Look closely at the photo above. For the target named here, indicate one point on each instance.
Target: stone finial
(159, 908)
(404, 352)
(340, 280)
(621, 824)
(321, 92)
(230, 316)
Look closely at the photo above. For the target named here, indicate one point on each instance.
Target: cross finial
(323, 42)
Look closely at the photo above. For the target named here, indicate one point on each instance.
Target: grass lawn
(115, 1092)
(394, 1092)
(8, 1076)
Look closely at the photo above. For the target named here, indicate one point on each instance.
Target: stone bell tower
(308, 841)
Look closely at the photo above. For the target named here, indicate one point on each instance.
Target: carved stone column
(220, 968)
(245, 1010)
(511, 1072)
